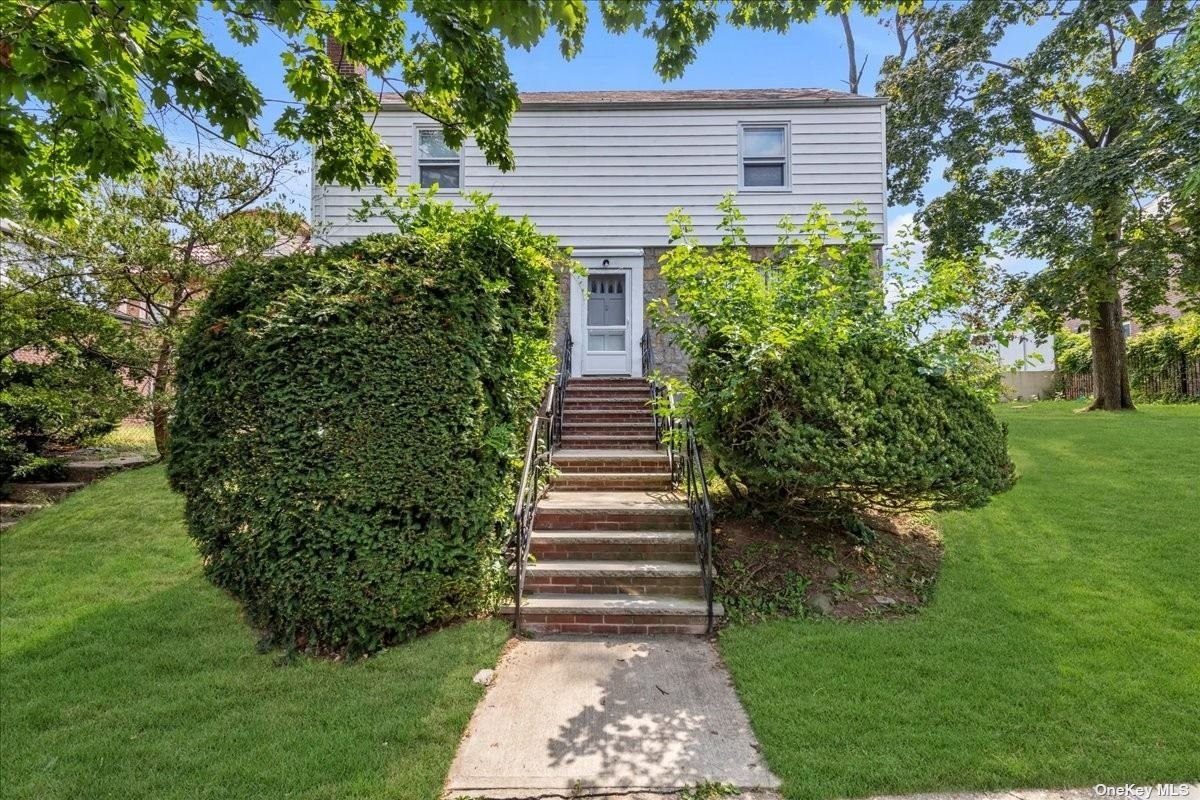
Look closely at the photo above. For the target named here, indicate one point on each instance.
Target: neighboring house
(1028, 366)
(601, 171)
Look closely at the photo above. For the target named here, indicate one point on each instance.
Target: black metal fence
(1175, 381)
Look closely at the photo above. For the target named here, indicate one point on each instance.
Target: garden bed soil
(767, 568)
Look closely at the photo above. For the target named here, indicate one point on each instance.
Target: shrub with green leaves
(811, 389)
(348, 425)
(1159, 358)
(60, 377)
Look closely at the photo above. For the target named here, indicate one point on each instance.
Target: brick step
(596, 576)
(641, 428)
(612, 510)
(609, 460)
(607, 380)
(615, 545)
(635, 415)
(613, 614)
(11, 511)
(612, 480)
(613, 441)
(23, 492)
(626, 406)
(607, 393)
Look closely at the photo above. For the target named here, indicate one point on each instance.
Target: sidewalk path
(590, 714)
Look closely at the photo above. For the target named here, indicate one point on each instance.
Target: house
(602, 169)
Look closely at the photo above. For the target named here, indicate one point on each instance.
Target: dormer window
(436, 162)
(765, 154)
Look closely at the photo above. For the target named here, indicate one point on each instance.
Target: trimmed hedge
(348, 425)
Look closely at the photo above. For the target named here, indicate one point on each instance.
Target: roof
(679, 98)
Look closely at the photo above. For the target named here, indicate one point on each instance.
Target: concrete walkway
(596, 715)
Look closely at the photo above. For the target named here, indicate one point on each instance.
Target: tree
(78, 77)
(155, 245)
(1066, 145)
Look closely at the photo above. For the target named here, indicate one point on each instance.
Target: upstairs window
(437, 163)
(764, 153)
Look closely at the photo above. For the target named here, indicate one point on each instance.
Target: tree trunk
(1110, 371)
(160, 407)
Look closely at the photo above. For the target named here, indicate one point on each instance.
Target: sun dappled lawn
(130, 437)
(126, 675)
(1062, 647)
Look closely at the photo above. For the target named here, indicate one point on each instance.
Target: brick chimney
(341, 62)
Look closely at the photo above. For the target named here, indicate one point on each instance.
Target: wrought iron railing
(686, 462)
(696, 483)
(545, 432)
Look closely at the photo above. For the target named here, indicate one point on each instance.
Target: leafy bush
(60, 379)
(811, 390)
(348, 423)
(1156, 357)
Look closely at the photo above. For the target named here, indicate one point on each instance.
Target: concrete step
(29, 492)
(11, 512)
(612, 510)
(604, 481)
(597, 576)
(610, 460)
(614, 545)
(613, 614)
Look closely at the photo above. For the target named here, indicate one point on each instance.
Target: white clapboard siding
(608, 178)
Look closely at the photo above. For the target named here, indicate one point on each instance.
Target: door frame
(628, 261)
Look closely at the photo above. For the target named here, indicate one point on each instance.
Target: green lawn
(126, 675)
(1062, 647)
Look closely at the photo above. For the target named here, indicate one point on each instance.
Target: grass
(125, 674)
(130, 437)
(1062, 647)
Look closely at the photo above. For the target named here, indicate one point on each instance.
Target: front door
(607, 339)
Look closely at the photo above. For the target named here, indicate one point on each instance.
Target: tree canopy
(1082, 146)
(78, 78)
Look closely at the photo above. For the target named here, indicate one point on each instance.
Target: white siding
(608, 178)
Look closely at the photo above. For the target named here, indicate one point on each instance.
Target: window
(1127, 329)
(437, 163)
(606, 313)
(763, 150)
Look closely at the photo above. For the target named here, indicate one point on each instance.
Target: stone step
(612, 480)
(29, 492)
(615, 441)
(615, 545)
(88, 471)
(613, 614)
(612, 510)
(11, 511)
(597, 576)
(610, 460)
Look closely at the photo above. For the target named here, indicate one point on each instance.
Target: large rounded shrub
(850, 425)
(347, 425)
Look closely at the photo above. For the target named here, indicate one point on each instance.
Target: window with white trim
(765, 155)
(435, 161)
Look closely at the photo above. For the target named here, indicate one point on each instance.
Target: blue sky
(811, 55)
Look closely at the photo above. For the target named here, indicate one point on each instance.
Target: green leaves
(79, 74)
(347, 423)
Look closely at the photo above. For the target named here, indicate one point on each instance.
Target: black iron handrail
(545, 432)
(660, 398)
(696, 483)
(686, 462)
